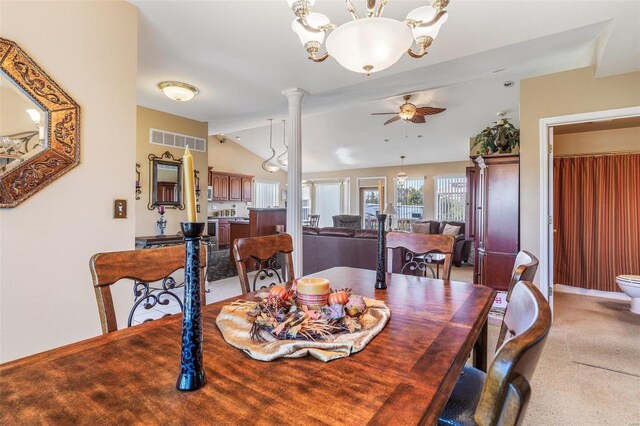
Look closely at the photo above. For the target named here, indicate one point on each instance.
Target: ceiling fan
(410, 112)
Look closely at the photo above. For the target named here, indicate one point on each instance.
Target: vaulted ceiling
(242, 54)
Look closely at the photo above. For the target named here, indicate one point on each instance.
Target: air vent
(176, 140)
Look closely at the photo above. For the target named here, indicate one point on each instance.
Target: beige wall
(553, 95)
(613, 140)
(230, 157)
(146, 119)
(46, 297)
(428, 171)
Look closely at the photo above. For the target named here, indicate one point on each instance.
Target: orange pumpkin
(338, 298)
(280, 292)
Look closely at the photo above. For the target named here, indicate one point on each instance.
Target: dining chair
(524, 269)
(314, 220)
(262, 254)
(418, 252)
(144, 267)
(500, 397)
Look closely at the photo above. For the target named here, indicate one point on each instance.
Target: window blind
(266, 194)
(451, 194)
(327, 202)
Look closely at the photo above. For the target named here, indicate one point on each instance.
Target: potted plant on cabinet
(502, 138)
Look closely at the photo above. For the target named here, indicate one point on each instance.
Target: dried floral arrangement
(282, 316)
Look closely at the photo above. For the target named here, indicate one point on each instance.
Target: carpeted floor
(585, 375)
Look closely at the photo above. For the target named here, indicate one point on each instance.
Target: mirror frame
(168, 159)
(62, 152)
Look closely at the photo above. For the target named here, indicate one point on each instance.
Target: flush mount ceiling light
(178, 91)
(372, 43)
(402, 176)
(267, 166)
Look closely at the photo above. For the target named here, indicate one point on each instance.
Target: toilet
(630, 284)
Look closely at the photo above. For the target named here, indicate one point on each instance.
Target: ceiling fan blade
(429, 110)
(417, 119)
(391, 120)
(383, 113)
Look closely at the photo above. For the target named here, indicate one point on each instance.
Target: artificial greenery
(502, 138)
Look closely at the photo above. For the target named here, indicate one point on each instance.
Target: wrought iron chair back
(524, 269)
(417, 253)
(143, 267)
(506, 389)
(314, 220)
(261, 254)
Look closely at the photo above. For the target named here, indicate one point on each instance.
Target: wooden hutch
(493, 212)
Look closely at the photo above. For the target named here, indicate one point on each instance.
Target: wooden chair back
(261, 254)
(524, 269)
(144, 267)
(506, 390)
(417, 245)
(314, 220)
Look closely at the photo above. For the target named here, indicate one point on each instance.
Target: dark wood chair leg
(480, 348)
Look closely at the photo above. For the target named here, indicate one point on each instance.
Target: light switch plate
(120, 209)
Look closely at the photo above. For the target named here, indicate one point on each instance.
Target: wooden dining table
(403, 376)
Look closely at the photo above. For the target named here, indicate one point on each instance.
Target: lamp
(283, 159)
(389, 210)
(178, 91)
(368, 44)
(402, 176)
(267, 166)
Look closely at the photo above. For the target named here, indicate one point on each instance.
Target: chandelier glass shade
(267, 165)
(371, 43)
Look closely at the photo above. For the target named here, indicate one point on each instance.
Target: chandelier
(372, 43)
(402, 176)
(267, 165)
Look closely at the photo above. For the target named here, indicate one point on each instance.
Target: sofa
(325, 248)
(461, 247)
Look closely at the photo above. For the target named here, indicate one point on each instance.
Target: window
(267, 194)
(410, 199)
(328, 201)
(306, 201)
(451, 194)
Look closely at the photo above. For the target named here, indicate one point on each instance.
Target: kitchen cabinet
(224, 232)
(496, 186)
(230, 187)
(247, 188)
(235, 188)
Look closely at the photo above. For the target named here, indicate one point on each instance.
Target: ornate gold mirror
(39, 127)
(165, 181)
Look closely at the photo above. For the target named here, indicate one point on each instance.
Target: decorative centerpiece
(283, 315)
(280, 324)
(162, 222)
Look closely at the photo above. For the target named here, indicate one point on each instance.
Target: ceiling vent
(176, 140)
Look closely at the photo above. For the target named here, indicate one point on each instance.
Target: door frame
(546, 183)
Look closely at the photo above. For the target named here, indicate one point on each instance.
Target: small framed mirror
(165, 181)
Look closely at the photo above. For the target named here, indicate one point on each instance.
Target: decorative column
(294, 175)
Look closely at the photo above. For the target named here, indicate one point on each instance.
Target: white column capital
(294, 92)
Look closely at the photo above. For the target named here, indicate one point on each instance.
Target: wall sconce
(138, 185)
(196, 179)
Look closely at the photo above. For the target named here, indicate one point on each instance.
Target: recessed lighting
(508, 83)
(178, 91)
(386, 140)
(419, 136)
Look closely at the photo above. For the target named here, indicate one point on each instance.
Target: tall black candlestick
(381, 267)
(192, 374)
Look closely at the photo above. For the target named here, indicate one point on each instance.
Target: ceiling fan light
(178, 91)
(315, 20)
(370, 44)
(426, 14)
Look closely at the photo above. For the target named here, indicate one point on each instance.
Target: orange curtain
(597, 220)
